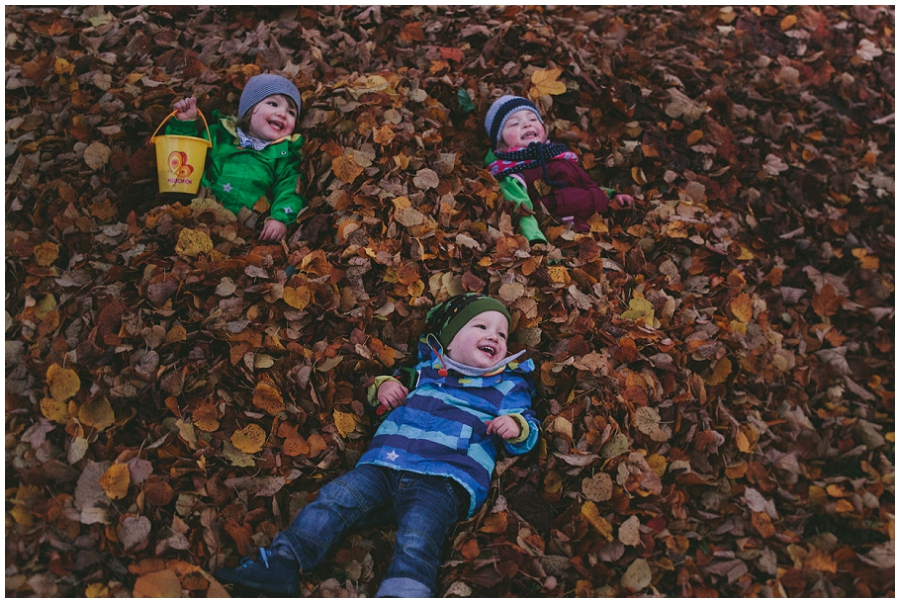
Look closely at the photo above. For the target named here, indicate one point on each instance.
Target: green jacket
(239, 177)
(515, 191)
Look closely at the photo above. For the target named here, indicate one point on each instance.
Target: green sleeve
(610, 192)
(286, 202)
(514, 192)
(177, 127)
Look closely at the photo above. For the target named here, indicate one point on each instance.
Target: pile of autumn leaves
(295, 332)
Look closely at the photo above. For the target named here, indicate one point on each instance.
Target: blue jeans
(425, 508)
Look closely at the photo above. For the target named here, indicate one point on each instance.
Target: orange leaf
(158, 585)
(495, 523)
(470, 549)
(206, 417)
(720, 372)
(116, 481)
(742, 307)
(694, 137)
(763, 524)
(826, 302)
(249, 439)
(788, 22)
(266, 397)
(295, 446)
(346, 168)
(316, 446)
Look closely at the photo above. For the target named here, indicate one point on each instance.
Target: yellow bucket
(180, 160)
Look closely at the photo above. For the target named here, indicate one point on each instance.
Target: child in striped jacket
(430, 462)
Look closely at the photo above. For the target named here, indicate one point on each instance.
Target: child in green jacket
(539, 174)
(256, 154)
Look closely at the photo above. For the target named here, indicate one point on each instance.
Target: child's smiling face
(521, 129)
(481, 343)
(272, 118)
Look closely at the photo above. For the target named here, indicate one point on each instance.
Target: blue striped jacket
(440, 430)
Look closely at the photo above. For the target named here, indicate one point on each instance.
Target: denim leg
(342, 504)
(427, 508)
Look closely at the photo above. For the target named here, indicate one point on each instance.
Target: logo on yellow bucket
(179, 166)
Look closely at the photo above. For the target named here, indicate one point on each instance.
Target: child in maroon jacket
(533, 171)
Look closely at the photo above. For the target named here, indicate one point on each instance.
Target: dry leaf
(116, 480)
(250, 439)
(267, 398)
(546, 81)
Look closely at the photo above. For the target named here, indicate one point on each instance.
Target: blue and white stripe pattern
(441, 431)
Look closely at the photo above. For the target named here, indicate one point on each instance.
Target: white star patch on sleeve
(392, 456)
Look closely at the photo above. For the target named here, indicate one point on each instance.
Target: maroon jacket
(578, 199)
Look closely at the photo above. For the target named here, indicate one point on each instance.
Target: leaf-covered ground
(716, 366)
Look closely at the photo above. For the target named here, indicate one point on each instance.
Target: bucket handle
(172, 114)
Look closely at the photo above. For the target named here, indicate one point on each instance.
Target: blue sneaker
(270, 573)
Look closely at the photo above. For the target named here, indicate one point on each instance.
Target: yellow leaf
(62, 66)
(192, 243)
(745, 254)
(267, 397)
(97, 414)
(346, 168)
(45, 306)
(677, 230)
(22, 515)
(64, 383)
(250, 439)
(658, 463)
(742, 307)
(559, 274)
(590, 511)
(96, 590)
(639, 308)
(297, 298)
(720, 372)
(845, 506)
(345, 423)
(545, 81)
(788, 22)
(694, 137)
(55, 410)
(116, 481)
(46, 253)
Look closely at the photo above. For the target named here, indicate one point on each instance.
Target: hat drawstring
(443, 370)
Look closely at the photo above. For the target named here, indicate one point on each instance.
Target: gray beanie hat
(264, 85)
(500, 111)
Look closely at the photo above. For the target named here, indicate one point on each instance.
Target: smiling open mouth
(487, 349)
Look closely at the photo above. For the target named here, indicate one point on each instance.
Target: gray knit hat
(264, 85)
(500, 111)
